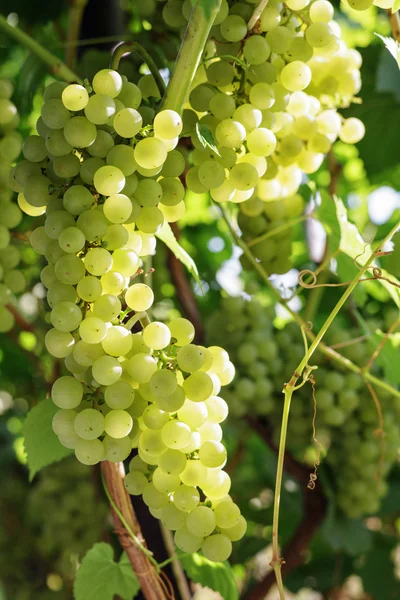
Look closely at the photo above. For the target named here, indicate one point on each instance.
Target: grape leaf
(392, 46)
(41, 443)
(388, 357)
(396, 6)
(206, 137)
(344, 236)
(377, 570)
(101, 578)
(166, 235)
(216, 576)
(346, 535)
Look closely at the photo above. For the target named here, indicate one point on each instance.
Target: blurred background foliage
(47, 526)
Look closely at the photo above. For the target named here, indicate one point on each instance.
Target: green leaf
(377, 570)
(344, 236)
(216, 576)
(346, 535)
(392, 45)
(396, 6)
(388, 357)
(101, 578)
(206, 137)
(166, 235)
(41, 443)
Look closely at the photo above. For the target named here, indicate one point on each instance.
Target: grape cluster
(106, 182)
(65, 500)
(179, 466)
(12, 280)
(347, 423)
(269, 97)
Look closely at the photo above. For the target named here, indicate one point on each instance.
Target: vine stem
(276, 562)
(75, 19)
(256, 14)
(127, 47)
(56, 65)
(129, 532)
(189, 55)
(176, 565)
(329, 352)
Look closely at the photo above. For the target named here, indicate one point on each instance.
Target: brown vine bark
(315, 506)
(152, 586)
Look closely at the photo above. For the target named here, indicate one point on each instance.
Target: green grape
(66, 166)
(212, 454)
(67, 392)
(59, 343)
(167, 125)
(130, 95)
(56, 143)
(79, 132)
(153, 497)
(186, 541)
(227, 514)
(117, 208)
(118, 423)
(195, 473)
(296, 76)
(256, 50)
(54, 114)
(107, 307)
(182, 330)
(237, 531)
(117, 450)
(174, 165)
(85, 354)
(119, 395)
(149, 192)
(151, 442)
(150, 153)
(217, 548)
(99, 109)
(198, 386)
(201, 521)
(154, 418)
(89, 424)
(89, 452)
(89, 288)
(186, 498)
(34, 148)
(63, 423)
(98, 261)
(165, 482)
(173, 191)
(172, 518)
(66, 316)
(102, 145)
(109, 180)
(135, 482)
(193, 414)
(122, 157)
(157, 336)
(318, 34)
(106, 370)
(127, 122)
(141, 367)
(107, 82)
(234, 28)
(175, 434)
(92, 330)
(117, 341)
(230, 133)
(75, 97)
(171, 402)
(211, 174)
